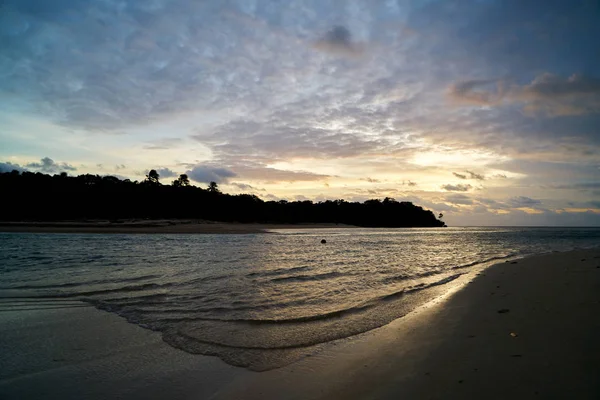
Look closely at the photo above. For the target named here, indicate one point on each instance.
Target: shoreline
(517, 330)
(167, 226)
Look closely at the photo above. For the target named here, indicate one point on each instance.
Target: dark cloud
(548, 94)
(9, 167)
(48, 165)
(458, 199)
(578, 186)
(522, 201)
(460, 176)
(479, 92)
(476, 176)
(409, 183)
(555, 96)
(165, 173)
(339, 41)
(120, 167)
(457, 188)
(549, 86)
(207, 174)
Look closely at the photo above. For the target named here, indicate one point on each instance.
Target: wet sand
(520, 331)
(153, 226)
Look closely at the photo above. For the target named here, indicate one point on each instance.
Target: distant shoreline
(153, 226)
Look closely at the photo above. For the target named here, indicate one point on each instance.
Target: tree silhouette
(152, 178)
(183, 180)
(84, 197)
(213, 187)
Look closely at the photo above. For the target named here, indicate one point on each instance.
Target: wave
(250, 335)
(369, 304)
(487, 260)
(85, 283)
(279, 271)
(315, 277)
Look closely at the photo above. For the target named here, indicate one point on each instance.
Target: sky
(487, 111)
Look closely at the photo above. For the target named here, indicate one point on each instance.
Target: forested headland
(32, 196)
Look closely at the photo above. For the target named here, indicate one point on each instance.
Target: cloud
(556, 96)
(121, 177)
(473, 175)
(489, 202)
(48, 165)
(546, 94)
(274, 175)
(578, 186)
(164, 144)
(371, 180)
(469, 175)
(339, 41)
(457, 188)
(409, 183)
(270, 197)
(459, 199)
(522, 201)
(549, 86)
(520, 218)
(165, 173)
(207, 174)
(245, 186)
(478, 92)
(9, 167)
(291, 134)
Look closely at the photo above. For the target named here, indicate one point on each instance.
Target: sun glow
(456, 158)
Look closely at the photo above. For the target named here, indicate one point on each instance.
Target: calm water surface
(262, 300)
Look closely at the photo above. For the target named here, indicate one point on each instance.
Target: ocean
(260, 301)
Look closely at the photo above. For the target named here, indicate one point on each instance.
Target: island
(109, 203)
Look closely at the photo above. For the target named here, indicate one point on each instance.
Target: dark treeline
(32, 196)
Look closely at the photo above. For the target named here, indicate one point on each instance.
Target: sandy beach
(153, 226)
(519, 330)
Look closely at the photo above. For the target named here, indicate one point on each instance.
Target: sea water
(260, 301)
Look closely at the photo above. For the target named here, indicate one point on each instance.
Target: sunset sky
(485, 110)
